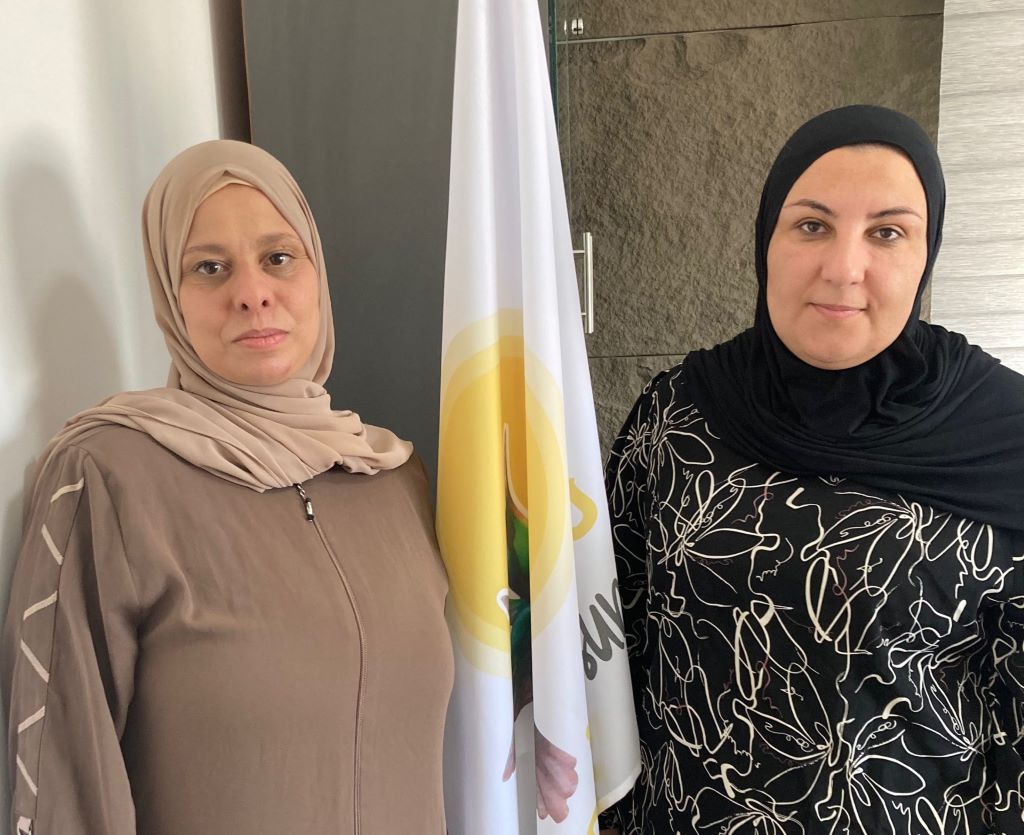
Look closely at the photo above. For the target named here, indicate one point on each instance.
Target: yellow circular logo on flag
(501, 463)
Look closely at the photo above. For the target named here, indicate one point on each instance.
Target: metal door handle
(588, 281)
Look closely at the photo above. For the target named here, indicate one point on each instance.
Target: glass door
(669, 114)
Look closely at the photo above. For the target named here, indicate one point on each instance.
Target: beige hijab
(256, 436)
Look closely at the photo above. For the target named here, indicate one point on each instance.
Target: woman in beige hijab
(227, 612)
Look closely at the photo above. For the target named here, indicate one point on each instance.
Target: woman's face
(249, 293)
(847, 256)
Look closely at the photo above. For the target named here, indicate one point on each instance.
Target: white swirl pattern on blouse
(810, 656)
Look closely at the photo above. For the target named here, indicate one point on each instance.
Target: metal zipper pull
(306, 502)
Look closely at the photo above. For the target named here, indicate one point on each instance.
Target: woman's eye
(888, 233)
(209, 268)
(812, 227)
(279, 259)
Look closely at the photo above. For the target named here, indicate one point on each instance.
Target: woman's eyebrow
(812, 204)
(896, 210)
(216, 249)
(278, 238)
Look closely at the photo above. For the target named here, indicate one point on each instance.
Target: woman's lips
(836, 311)
(266, 338)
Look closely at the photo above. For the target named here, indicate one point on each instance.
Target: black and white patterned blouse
(809, 655)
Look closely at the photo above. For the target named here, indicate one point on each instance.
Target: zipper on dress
(357, 794)
(307, 503)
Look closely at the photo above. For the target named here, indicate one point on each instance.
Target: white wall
(978, 288)
(95, 96)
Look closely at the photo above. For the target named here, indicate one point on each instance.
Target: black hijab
(931, 417)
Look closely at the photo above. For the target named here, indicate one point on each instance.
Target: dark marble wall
(666, 139)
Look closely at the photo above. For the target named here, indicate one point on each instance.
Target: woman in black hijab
(819, 529)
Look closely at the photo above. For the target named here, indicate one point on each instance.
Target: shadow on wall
(64, 346)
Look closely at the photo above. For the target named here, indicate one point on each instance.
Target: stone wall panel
(666, 142)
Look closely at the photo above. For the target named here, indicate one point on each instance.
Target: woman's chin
(261, 375)
(831, 357)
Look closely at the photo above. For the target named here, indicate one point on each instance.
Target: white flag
(541, 731)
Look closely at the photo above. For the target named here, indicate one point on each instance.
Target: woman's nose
(845, 260)
(251, 288)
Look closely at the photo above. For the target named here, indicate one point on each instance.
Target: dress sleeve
(68, 659)
(626, 482)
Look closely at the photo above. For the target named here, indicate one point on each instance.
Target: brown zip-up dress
(182, 654)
